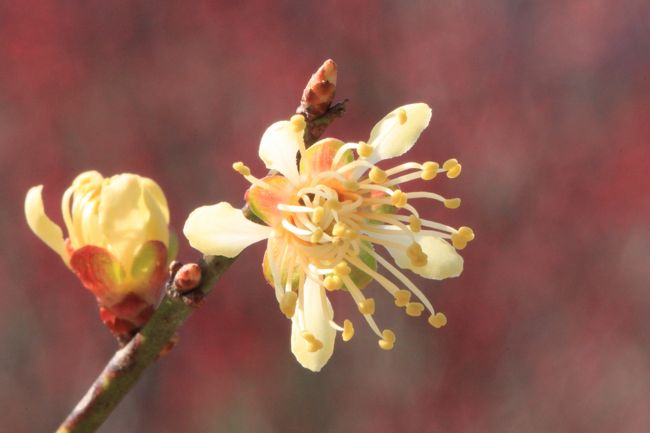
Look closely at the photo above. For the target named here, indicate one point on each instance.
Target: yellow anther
(313, 343)
(429, 170)
(339, 229)
(348, 330)
(388, 339)
(351, 185)
(452, 203)
(288, 304)
(317, 215)
(402, 298)
(449, 164)
(414, 250)
(364, 150)
(415, 224)
(458, 241)
(342, 269)
(351, 234)
(316, 235)
(419, 260)
(438, 320)
(377, 175)
(332, 282)
(466, 233)
(414, 309)
(333, 204)
(401, 115)
(242, 169)
(298, 122)
(388, 335)
(398, 199)
(314, 346)
(367, 306)
(454, 172)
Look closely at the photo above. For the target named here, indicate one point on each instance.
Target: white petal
(123, 217)
(314, 315)
(442, 259)
(157, 224)
(48, 231)
(151, 187)
(279, 147)
(222, 230)
(390, 138)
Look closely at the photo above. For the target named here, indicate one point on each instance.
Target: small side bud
(187, 277)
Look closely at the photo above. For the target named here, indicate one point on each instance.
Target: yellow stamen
(437, 320)
(314, 344)
(342, 269)
(351, 185)
(332, 282)
(316, 235)
(333, 204)
(414, 250)
(242, 169)
(420, 260)
(367, 306)
(429, 170)
(339, 229)
(377, 175)
(364, 150)
(298, 122)
(415, 224)
(351, 234)
(402, 298)
(458, 241)
(318, 215)
(348, 330)
(398, 199)
(401, 114)
(466, 232)
(454, 172)
(449, 164)
(452, 203)
(388, 339)
(288, 304)
(414, 309)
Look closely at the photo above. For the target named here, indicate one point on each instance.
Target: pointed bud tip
(327, 71)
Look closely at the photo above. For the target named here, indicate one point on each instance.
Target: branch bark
(127, 365)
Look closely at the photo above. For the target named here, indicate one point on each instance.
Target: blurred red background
(545, 104)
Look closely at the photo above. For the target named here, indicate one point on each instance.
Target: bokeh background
(546, 105)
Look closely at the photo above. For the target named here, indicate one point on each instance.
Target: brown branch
(127, 365)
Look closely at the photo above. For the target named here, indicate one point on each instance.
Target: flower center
(336, 216)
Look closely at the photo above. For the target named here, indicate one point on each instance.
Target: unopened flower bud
(319, 92)
(118, 242)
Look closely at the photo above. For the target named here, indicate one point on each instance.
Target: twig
(127, 365)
